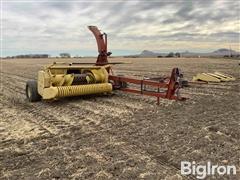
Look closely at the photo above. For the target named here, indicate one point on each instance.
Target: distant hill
(225, 52)
(147, 53)
(30, 56)
(218, 53)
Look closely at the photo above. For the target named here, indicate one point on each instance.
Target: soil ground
(119, 136)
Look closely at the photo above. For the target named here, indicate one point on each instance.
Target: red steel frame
(171, 86)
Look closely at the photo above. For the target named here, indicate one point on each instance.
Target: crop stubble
(120, 135)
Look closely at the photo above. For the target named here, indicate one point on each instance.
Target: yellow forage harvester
(75, 79)
(64, 79)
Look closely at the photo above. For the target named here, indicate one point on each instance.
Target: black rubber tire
(32, 92)
(185, 83)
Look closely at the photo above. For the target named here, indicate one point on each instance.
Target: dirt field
(122, 136)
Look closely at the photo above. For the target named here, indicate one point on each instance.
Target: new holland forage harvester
(75, 79)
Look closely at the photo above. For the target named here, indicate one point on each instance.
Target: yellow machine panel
(63, 79)
(65, 91)
(213, 77)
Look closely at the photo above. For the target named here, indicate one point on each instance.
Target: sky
(132, 26)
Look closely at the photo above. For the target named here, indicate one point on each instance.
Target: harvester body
(60, 80)
(74, 79)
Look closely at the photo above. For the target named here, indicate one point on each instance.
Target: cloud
(132, 25)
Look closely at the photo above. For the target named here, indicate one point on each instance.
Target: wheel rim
(29, 93)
